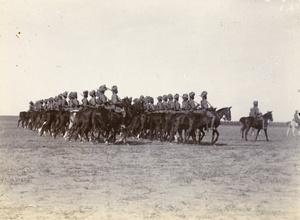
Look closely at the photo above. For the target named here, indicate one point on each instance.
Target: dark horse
(194, 121)
(110, 121)
(249, 122)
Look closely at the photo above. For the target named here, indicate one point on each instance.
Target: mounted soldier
(31, 106)
(39, 105)
(73, 102)
(117, 104)
(171, 105)
(102, 100)
(150, 104)
(159, 105)
(85, 101)
(60, 101)
(208, 109)
(191, 102)
(256, 114)
(50, 104)
(185, 104)
(55, 103)
(45, 104)
(176, 102)
(64, 102)
(297, 118)
(165, 104)
(92, 101)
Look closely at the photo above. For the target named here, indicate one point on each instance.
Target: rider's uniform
(297, 118)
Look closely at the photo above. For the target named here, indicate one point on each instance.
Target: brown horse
(249, 122)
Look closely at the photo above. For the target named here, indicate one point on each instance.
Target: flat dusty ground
(46, 178)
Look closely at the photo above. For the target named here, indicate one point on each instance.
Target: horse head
(126, 101)
(226, 112)
(268, 116)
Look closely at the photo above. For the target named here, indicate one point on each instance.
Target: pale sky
(238, 51)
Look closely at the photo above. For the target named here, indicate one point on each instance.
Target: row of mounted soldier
(97, 99)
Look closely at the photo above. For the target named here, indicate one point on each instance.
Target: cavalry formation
(102, 119)
(165, 121)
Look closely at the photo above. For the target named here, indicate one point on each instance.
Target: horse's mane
(221, 109)
(269, 112)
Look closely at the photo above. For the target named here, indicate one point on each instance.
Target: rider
(103, 100)
(92, 101)
(296, 117)
(191, 103)
(176, 103)
(85, 101)
(55, 103)
(31, 106)
(171, 104)
(208, 110)
(117, 104)
(159, 103)
(150, 107)
(256, 114)
(64, 102)
(165, 102)
(50, 104)
(75, 101)
(185, 103)
(46, 104)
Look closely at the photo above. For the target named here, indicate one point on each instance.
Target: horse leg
(246, 133)
(258, 130)
(293, 130)
(193, 135)
(266, 133)
(242, 130)
(19, 122)
(217, 137)
(201, 135)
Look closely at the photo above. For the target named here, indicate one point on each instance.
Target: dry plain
(46, 178)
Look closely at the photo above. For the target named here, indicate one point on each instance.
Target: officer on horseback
(256, 114)
(208, 109)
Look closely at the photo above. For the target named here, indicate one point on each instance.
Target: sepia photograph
(150, 109)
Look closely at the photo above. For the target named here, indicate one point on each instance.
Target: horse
(192, 121)
(249, 122)
(223, 113)
(291, 126)
(110, 121)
